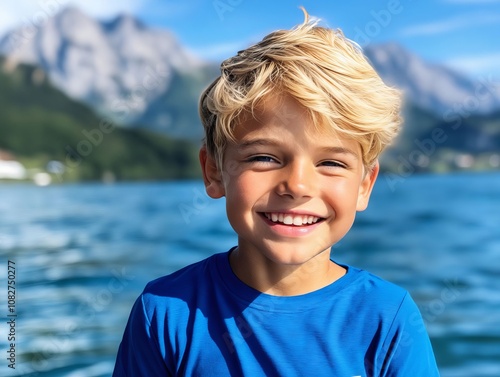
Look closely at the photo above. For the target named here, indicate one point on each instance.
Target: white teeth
(288, 219)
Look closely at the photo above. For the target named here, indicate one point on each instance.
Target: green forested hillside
(39, 124)
(179, 104)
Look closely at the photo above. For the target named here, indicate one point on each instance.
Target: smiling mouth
(290, 219)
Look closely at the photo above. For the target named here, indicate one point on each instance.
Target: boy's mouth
(291, 219)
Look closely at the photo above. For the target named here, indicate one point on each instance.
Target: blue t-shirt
(203, 321)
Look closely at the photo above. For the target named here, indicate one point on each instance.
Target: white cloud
(477, 64)
(451, 24)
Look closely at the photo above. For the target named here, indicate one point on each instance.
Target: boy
(293, 128)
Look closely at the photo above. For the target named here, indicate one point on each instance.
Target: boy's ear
(365, 189)
(211, 175)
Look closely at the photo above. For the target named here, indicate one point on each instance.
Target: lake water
(84, 252)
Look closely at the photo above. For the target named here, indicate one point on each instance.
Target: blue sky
(463, 34)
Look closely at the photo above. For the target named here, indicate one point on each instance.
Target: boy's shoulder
(184, 291)
(371, 293)
(372, 283)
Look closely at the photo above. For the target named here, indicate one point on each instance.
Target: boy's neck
(285, 280)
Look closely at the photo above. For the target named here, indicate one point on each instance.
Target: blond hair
(321, 69)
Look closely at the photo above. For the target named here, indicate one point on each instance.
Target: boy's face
(291, 191)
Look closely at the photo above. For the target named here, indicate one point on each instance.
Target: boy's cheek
(230, 171)
(234, 171)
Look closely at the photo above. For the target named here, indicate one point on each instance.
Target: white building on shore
(11, 169)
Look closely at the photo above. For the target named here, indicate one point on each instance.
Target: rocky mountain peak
(103, 63)
(125, 67)
(431, 86)
(124, 22)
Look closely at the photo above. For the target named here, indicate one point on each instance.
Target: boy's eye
(334, 164)
(261, 158)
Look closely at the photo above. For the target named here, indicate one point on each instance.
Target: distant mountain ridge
(142, 75)
(44, 129)
(117, 66)
(430, 86)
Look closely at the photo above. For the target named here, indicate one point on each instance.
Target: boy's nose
(298, 180)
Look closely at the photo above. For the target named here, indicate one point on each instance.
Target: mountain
(175, 111)
(142, 75)
(143, 78)
(117, 67)
(432, 87)
(41, 127)
(428, 143)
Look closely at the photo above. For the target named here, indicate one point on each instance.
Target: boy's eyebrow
(271, 142)
(254, 142)
(342, 150)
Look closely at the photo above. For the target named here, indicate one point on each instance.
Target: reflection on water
(84, 252)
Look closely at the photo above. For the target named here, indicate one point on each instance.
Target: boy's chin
(297, 256)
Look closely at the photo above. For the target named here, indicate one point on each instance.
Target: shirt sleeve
(408, 347)
(139, 354)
